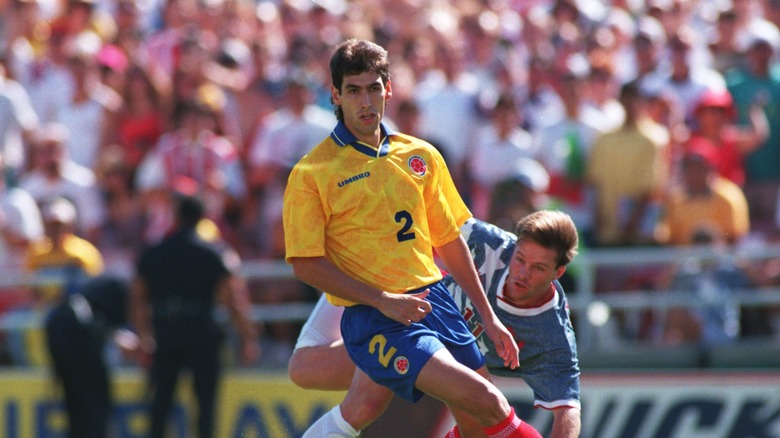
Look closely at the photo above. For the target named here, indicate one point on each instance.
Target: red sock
(454, 433)
(512, 427)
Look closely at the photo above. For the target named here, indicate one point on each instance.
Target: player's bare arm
(320, 273)
(457, 258)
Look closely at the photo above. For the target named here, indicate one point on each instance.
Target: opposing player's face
(362, 99)
(531, 271)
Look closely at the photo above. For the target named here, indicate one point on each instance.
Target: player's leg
(566, 422)
(326, 367)
(164, 375)
(320, 360)
(473, 394)
(206, 370)
(466, 425)
(365, 401)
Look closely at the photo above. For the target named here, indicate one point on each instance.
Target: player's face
(362, 99)
(531, 272)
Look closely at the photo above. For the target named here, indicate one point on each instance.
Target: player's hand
(506, 347)
(128, 342)
(405, 308)
(145, 351)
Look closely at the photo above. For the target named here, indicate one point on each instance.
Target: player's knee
(299, 373)
(360, 410)
(490, 405)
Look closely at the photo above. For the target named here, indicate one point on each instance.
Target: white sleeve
(323, 326)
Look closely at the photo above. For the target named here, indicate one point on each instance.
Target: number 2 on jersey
(404, 234)
(384, 354)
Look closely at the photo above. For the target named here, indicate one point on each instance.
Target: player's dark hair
(189, 211)
(551, 229)
(353, 57)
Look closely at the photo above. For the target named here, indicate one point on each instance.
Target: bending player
(363, 211)
(520, 276)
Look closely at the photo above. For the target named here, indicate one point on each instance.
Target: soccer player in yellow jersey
(363, 212)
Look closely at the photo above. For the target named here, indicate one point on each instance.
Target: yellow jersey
(375, 213)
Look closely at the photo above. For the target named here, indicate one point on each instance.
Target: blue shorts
(392, 354)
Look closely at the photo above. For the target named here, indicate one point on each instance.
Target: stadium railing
(603, 341)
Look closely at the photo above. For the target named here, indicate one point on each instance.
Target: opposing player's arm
(457, 258)
(320, 273)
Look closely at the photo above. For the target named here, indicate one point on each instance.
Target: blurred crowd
(651, 122)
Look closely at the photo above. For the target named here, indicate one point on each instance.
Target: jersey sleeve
(447, 211)
(303, 217)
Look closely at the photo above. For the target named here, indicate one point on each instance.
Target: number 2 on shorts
(384, 354)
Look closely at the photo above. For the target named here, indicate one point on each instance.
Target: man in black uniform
(178, 283)
(76, 331)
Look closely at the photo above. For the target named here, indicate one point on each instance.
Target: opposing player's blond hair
(551, 229)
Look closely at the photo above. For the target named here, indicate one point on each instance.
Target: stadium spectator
(20, 226)
(714, 118)
(689, 74)
(724, 46)
(703, 199)
(57, 265)
(18, 121)
(54, 174)
(41, 67)
(539, 103)
(143, 117)
(112, 64)
(503, 143)
(89, 111)
(125, 219)
(755, 83)
(192, 153)
(448, 109)
(564, 148)
(627, 170)
(20, 223)
(61, 257)
(649, 44)
(601, 93)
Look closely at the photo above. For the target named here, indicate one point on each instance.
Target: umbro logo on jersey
(354, 178)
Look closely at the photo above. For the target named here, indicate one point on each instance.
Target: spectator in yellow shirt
(62, 260)
(58, 265)
(704, 199)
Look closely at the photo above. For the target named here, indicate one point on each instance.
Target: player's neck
(532, 303)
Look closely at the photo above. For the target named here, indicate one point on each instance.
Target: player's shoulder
(410, 142)
(322, 154)
(478, 231)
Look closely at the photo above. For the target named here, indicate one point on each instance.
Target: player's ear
(559, 271)
(335, 95)
(388, 90)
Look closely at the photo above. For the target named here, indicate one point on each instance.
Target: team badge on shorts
(401, 365)
(418, 166)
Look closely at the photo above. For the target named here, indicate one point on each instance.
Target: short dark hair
(353, 57)
(189, 211)
(551, 229)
